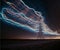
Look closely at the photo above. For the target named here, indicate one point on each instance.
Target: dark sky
(50, 10)
(54, 14)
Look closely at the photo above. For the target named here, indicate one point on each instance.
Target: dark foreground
(12, 44)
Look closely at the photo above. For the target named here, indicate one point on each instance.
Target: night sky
(50, 10)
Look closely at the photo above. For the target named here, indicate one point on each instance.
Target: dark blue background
(50, 11)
